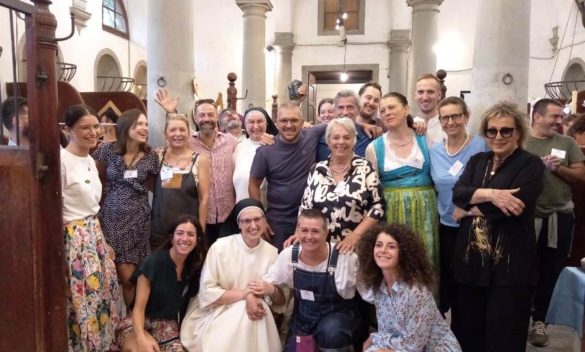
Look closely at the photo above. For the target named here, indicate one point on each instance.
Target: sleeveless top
(404, 176)
(169, 203)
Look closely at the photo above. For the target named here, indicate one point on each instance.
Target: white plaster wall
(83, 47)
(545, 15)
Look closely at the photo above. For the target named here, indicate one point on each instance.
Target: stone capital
(284, 41)
(254, 7)
(424, 5)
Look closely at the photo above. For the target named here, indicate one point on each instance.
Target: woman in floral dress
(93, 292)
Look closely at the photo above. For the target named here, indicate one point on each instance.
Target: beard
(207, 128)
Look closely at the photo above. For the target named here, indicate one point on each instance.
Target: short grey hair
(347, 93)
(344, 122)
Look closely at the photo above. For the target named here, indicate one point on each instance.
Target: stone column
(398, 60)
(284, 45)
(170, 58)
(424, 37)
(501, 56)
(254, 63)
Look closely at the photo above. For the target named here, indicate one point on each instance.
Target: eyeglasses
(454, 117)
(505, 132)
(251, 220)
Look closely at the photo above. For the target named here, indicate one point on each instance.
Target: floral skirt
(417, 208)
(93, 294)
(165, 331)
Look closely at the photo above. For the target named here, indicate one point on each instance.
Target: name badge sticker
(558, 153)
(166, 173)
(131, 174)
(307, 295)
(455, 168)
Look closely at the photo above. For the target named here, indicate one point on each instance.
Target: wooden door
(311, 102)
(32, 277)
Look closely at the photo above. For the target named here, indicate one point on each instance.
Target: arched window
(114, 18)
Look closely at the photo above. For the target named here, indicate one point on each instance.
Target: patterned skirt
(417, 208)
(93, 294)
(165, 331)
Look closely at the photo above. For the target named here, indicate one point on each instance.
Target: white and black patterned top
(347, 203)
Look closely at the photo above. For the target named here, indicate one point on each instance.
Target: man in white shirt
(15, 111)
(427, 96)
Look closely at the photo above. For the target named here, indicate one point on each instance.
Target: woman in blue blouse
(396, 275)
(448, 160)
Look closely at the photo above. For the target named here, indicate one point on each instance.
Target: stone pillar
(170, 57)
(284, 45)
(254, 63)
(424, 37)
(500, 63)
(398, 61)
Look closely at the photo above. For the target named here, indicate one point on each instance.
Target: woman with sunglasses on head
(165, 281)
(182, 184)
(130, 166)
(448, 160)
(494, 257)
(92, 285)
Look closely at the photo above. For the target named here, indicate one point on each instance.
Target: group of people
(373, 207)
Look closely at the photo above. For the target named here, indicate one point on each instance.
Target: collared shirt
(222, 196)
(408, 320)
(12, 143)
(347, 202)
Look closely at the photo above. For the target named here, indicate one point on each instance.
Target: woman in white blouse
(93, 294)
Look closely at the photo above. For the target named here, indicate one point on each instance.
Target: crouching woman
(165, 281)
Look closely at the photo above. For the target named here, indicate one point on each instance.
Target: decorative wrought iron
(563, 90)
(115, 83)
(66, 71)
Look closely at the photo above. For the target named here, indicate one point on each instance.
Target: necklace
(337, 172)
(401, 144)
(460, 148)
(133, 159)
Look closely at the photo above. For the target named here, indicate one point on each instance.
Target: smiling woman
(129, 165)
(182, 184)
(91, 295)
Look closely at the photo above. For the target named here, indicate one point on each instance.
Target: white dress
(230, 264)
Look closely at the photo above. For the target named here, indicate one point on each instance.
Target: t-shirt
(281, 272)
(362, 142)
(286, 166)
(166, 297)
(556, 193)
(81, 187)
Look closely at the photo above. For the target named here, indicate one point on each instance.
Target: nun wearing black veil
(226, 313)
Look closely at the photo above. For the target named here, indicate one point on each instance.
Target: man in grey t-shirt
(285, 165)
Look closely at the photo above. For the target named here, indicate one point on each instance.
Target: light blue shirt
(444, 176)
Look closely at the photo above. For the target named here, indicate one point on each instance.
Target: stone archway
(106, 65)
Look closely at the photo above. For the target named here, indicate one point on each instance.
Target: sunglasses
(505, 132)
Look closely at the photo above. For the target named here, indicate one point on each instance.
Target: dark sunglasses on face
(505, 132)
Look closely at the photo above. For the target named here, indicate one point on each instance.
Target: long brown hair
(414, 267)
(126, 121)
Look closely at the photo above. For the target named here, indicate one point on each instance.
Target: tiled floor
(561, 339)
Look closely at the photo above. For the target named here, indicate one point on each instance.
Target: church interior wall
(218, 42)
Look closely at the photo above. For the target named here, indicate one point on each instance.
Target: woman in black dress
(496, 247)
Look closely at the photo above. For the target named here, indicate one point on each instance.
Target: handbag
(306, 343)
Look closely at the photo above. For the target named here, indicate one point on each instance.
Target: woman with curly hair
(396, 275)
